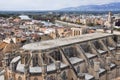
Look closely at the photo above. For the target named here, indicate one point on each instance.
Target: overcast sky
(47, 4)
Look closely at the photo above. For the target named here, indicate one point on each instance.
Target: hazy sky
(47, 4)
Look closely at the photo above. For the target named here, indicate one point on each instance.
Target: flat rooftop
(44, 45)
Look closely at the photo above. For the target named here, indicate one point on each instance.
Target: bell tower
(110, 17)
(110, 20)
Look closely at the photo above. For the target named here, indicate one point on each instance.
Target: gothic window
(50, 61)
(105, 42)
(10, 78)
(58, 56)
(19, 78)
(91, 62)
(78, 69)
(79, 32)
(48, 78)
(96, 44)
(26, 59)
(86, 69)
(64, 76)
(118, 39)
(74, 33)
(85, 47)
(101, 65)
(35, 78)
(35, 60)
(69, 51)
(66, 50)
(51, 78)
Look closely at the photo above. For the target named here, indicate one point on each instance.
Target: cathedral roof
(50, 44)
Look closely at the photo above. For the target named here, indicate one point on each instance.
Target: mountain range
(104, 7)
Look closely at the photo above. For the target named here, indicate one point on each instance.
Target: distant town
(59, 45)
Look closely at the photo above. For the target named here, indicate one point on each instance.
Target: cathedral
(94, 56)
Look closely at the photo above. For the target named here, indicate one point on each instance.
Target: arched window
(35, 78)
(19, 78)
